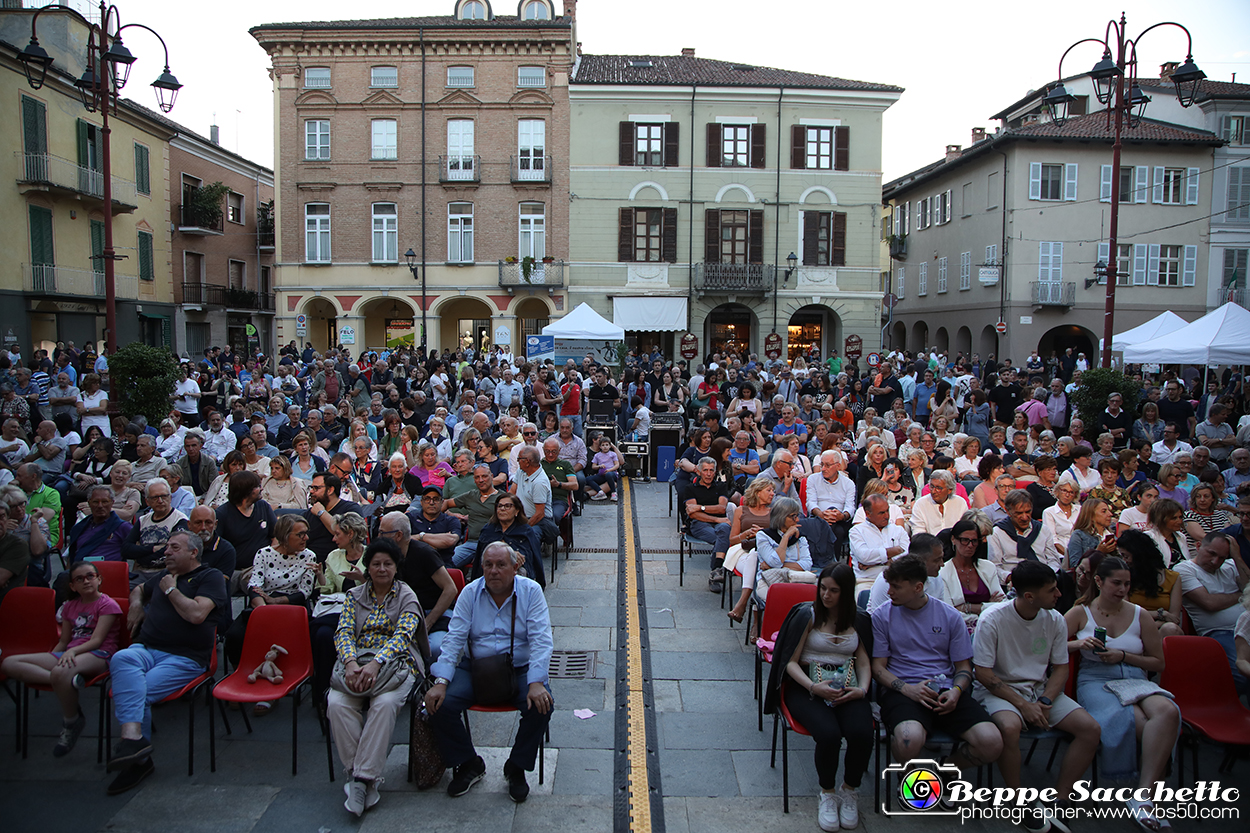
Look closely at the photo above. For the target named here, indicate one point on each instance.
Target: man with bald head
(874, 544)
(218, 552)
(781, 472)
(47, 451)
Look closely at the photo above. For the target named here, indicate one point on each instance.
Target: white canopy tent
(1157, 327)
(1219, 337)
(584, 324)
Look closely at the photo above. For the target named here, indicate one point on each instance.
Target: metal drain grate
(606, 550)
(573, 665)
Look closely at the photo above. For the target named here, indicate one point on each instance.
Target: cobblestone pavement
(709, 764)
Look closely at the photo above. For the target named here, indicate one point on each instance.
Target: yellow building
(52, 280)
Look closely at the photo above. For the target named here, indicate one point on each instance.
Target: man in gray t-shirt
(1211, 586)
(1013, 646)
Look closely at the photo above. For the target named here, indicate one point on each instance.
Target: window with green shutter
(35, 138)
(143, 175)
(97, 246)
(147, 266)
(42, 270)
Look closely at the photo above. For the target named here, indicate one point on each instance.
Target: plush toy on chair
(269, 668)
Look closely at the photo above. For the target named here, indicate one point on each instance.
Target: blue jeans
(143, 676)
(464, 553)
(454, 741)
(1225, 638)
(577, 423)
(714, 534)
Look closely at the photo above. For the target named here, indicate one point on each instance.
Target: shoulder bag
(494, 679)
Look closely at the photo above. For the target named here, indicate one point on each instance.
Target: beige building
(1010, 229)
(52, 280)
(693, 180)
(446, 136)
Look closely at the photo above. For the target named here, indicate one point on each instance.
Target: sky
(959, 63)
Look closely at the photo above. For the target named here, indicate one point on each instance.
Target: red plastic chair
(123, 641)
(788, 724)
(285, 625)
(114, 578)
(188, 691)
(542, 743)
(781, 597)
(27, 626)
(1198, 675)
(457, 577)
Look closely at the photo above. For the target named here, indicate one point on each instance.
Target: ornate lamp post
(1115, 85)
(411, 258)
(107, 71)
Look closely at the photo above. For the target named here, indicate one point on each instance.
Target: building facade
(222, 247)
(1010, 230)
(52, 283)
(442, 136)
(693, 180)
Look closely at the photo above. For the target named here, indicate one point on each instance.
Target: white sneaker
(355, 803)
(372, 796)
(827, 812)
(848, 814)
(612, 497)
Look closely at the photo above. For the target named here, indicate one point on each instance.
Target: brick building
(446, 136)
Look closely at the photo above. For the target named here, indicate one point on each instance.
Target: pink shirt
(84, 617)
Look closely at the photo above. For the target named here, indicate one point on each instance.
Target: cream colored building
(446, 135)
(692, 182)
(51, 287)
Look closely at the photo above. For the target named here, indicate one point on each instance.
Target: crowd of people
(928, 496)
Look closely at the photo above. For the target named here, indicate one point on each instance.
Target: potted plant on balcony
(527, 267)
(548, 259)
(898, 246)
(206, 204)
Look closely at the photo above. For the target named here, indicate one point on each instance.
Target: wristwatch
(170, 589)
(441, 681)
(1045, 701)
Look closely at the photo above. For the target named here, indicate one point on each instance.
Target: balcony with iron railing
(459, 170)
(541, 275)
(214, 295)
(265, 236)
(45, 172)
(739, 278)
(1053, 293)
(196, 220)
(531, 169)
(48, 279)
(1233, 295)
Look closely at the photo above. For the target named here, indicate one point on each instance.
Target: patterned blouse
(389, 640)
(276, 574)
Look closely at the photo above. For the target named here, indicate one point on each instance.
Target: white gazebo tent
(1219, 337)
(584, 324)
(1162, 324)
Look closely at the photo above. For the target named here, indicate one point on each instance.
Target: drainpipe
(777, 211)
(690, 235)
(424, 335)
(1002, 255)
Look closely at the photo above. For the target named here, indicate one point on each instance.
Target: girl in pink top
(90, 629)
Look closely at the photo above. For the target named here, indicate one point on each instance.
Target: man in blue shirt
(744, 460)
(500, 612)
(920, 398)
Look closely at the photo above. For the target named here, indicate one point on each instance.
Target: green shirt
(459, 486)
(45, 497)
(560, 470)
(835, 365)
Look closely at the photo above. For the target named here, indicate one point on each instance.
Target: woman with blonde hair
(358, 428)
(281, 490)
(751, 517)
(1165, 525)
(1094, 530)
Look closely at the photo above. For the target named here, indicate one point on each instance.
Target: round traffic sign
(1001, 327)
(874, 359)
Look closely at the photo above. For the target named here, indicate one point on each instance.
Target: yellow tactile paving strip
(639, 781)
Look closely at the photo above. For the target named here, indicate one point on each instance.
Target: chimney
(687, 51)
(214, 135)
(953, 152)
(978, 135)
(1167, 68)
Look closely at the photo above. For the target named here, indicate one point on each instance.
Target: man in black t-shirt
(177, 637)
(324, 505)
(884, 394)
(434, 527)
(1175, 408)
(706, 502)
(423, 571)
(1005, 397)
(602, 390)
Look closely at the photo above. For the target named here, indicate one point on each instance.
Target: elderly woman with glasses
(971, 580)
(509, 525)
(781, 549)
(282, 574)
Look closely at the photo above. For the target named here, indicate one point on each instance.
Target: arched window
(473, 10)
(535, 10)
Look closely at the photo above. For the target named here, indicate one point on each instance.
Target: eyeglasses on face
(968, 542)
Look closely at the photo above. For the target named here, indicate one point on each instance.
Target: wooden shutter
(147, 268)
(143, 174)
(837, 251)
(1152, 265)
(1191, 186)
(668, 236)
(1141, 177)
(714, 133)
(1140, 260)
(1069, 182)
(671, 145)
(1104, 185)
(811, 234)
(1189, 266)
(1104, 253)
(41, 250)
(626, 158)
(946, 208)
(1226, 128)
(625, 236)
(842, 148)
(1043, 261)
(97, 245)
(1035, 180)
(711, 235)
(1157, 194)
(758, 147)
(755, 237)
(798, 149)
(34, 126)
(83, 143)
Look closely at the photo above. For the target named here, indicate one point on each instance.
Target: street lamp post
(411, 257)
(1115, 85)
(107, 71)
(792, 263)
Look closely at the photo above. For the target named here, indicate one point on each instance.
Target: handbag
(390, 676)
(329, 603)
(838, 676)
(1133, 691)
(424, 759)
(494, 680)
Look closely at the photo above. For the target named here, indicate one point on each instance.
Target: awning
(642, 313)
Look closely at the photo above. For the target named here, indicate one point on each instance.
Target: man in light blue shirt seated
(496, 614)
(928, 547)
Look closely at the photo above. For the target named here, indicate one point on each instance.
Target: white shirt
(1160, 453)
(878, 596)
(927, 517)
(1090, 480)
(219, 443)
(868, 549)
(1002, 552)
(186, 404)
(821, 494)
(1059, 524)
